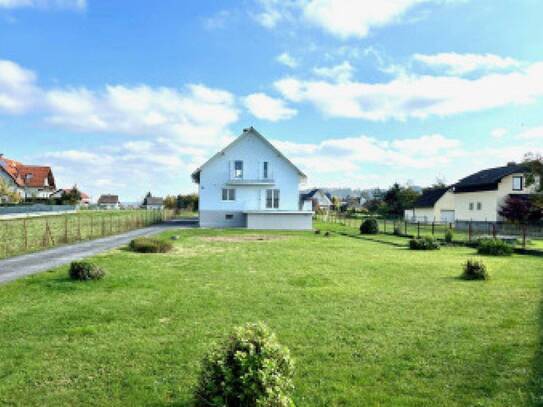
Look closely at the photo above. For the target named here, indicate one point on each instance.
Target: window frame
(479, 206)
(265, 169)
(230, 194)
(471, 206)
(273, 198)
(240, 174)
(516, 177)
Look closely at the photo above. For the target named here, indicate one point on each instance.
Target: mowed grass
(369, 323)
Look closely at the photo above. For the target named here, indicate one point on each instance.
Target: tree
(170, 202)
(336, 202)
(439, 183)
(399, 198)
(188, 201)
(518, 209)
(8, 194)
(71, 197)
(534, 173)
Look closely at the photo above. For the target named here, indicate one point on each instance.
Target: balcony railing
(253, 181)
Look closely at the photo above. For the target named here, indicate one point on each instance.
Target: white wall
(445, 203)
(252, 151)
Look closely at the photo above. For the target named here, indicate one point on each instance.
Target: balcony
(250, 182)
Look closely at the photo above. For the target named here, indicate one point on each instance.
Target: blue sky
(130, 96)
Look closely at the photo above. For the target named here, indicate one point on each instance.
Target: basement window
(229, 216)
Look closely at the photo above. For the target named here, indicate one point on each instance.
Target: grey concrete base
(221, 219)
(280, 221)
(20, 266)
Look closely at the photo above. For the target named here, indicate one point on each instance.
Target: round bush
(250, 368)
(494, 247)
(449, 236)
(149, 245)
(475, 270)
(424, 243)
(369, 227)
(82, 270)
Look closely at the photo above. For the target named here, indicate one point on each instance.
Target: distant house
(30, 181)
(109, 202)
(85, 198)
(317, 198)
(434, 205)
(153, 203)
(251, 184)
(354, 202)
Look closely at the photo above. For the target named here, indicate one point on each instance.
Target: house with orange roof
(30, 181)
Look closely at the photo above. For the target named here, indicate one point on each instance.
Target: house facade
(109, 202)
(434, 205)
(153, 202)
(315, 199)
(251, 184)
(30, 181)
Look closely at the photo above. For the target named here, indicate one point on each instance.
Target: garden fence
(19, 236)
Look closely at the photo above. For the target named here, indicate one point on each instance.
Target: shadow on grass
(361, 237)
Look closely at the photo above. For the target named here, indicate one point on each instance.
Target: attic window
(518, 182)
(28, 177)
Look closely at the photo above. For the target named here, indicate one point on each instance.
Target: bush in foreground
(369, 227)
(475, 270)
(424, 243)
(84, 271)
(449, 236)
(494, 247)
(149, 245)
(250, 368)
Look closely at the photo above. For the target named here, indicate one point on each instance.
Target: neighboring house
(251, 184)
(317, 199)
(85, 198)
(109, 202)
(153, 203)
(434, 205)
(353, 202)
(30, 181)
(480, 196)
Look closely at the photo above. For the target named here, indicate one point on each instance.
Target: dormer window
(518, 183)
(28, 177)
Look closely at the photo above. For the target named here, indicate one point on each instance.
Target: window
(272, 198)
(228, 194)
(479, 206)
(471, 206)
(265, 170)
(229, 216)
(518, 182)
(238, 169)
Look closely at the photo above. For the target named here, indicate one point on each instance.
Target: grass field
(18, 236)
(368, 322)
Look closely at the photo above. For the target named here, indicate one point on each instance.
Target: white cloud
(498, 133)
(18, 91)
(534, 133)
(265, 107)
(64, 4)
(341, 18)
(461, 64)
(197, 116)
(338, 73)
(418, 96)
(287, 60)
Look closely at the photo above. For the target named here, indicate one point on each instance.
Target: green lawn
(368, 322)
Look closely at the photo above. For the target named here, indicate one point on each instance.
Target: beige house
(480, 196)
(434, 205)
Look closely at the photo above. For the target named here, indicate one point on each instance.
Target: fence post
(25, 231)
(469, 231)
(385, 225)
(418, 230)
(524, 231)
(433, 228)
(494, 230)
(405, 228)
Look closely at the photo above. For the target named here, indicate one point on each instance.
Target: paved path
(20, 266)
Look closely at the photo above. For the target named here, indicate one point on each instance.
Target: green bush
(494, 247)
(149, 245)
(449, 236)
(475, 270)
(369, 227)
(250, 368)
(424, 243)
(397, 230)
(82, 270)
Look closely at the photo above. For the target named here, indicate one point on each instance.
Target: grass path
(368, 323)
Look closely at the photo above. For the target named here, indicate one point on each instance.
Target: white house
(317, 199)
(151, 202)
(109, 202)
(251, 184)
(434, 205)
(30, 181)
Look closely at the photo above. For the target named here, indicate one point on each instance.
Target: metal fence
(19, 236)
(525, 236)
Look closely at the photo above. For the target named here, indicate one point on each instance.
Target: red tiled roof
(33, 176)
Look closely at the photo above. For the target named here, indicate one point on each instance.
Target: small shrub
(250, 368)
(424, 243)
(494, 247)
(369, 227)
(82, 270)
(149, 245)
(327, 234)
(317, 231)
(474, 270)
(449, 236)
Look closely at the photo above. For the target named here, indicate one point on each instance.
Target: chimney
(511, 164)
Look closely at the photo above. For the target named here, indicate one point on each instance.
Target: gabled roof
(429, 197)
(153, 200)
(108, 199)
(487, 180)
(33, 176)
(246, 132)
(309, 194)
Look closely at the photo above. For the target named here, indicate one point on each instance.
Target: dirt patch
(243, 238)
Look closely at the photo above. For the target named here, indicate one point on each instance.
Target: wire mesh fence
(19, 236)
(525, 236)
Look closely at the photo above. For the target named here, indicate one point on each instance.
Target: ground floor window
(272, 199)
(228, 194)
